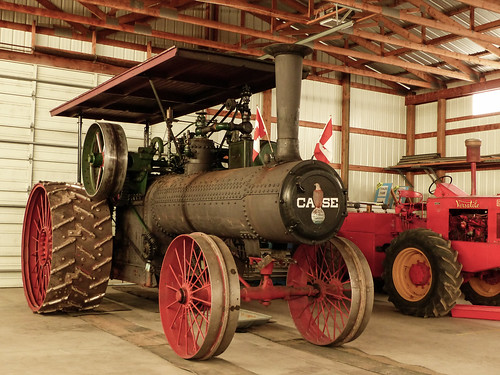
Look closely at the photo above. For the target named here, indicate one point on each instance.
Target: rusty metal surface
(289, 74)
(186, 80)
(248, 203)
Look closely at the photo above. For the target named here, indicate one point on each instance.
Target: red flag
(324, 148)
(259, 132)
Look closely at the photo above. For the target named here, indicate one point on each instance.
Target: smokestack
(473, 156)
(289, 75)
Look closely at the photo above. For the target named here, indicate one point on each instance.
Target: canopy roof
(185, 80)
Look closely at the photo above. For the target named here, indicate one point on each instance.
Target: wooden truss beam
(435, 24)
(422, 47)
(494, 6)
(442, 18)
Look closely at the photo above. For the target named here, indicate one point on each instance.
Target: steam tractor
(426, 253)
(198, 220)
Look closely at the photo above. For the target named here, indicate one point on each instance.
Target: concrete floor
(125, 337)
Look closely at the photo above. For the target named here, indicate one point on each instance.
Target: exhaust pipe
(289, 75)
(473, 156)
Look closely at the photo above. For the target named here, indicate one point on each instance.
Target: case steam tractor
(202, 222)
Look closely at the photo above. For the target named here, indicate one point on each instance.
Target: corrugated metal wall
(381, 112)
(36, 147)
(488, 182)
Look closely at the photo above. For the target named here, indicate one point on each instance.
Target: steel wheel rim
(104, 160)
(94, 151)
(365, 286)
(328, 317)
(408, 262)
(232, 297)
(191, 296)
(483, 288)
(37, 247)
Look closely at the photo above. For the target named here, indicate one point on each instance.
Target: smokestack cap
(473, 150)
(284, 48)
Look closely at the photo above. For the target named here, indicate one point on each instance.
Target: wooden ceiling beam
(455, 92)
(173, 15)
(162, 13)
(494, 6)
(78, 27)
(377, 50)
(366, 73)
(224, 47)
(435, 24)
(295, 5)
(391, 61)
(257, 9)
(436, 14)
(395, 28)
(96, 11)
(395, 86)
(422, 47)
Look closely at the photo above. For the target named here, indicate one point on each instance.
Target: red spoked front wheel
(341, 308)
(198, 294)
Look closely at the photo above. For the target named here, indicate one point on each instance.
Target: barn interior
(405, 87)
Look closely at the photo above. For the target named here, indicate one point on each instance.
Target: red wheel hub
(420, 273)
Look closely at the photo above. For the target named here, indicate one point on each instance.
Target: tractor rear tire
(480, 292)
(66, 248)
(422, 275)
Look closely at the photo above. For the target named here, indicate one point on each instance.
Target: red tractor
(426, 253)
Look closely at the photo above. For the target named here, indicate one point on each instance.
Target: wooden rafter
(49, 5)
(379, 27)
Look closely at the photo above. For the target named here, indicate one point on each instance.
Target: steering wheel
(440, 180)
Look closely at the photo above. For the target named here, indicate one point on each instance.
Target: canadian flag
(259, 132)
(324, 148)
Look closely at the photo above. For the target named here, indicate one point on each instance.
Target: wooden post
(94, 43)
(441, 131)
(33, 36)
(410, 137)
(267, 98)
(346, 107)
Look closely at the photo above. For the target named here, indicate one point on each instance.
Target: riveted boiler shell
(274, 204)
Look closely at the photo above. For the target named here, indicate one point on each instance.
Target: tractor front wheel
(483, 291)
(421, 273)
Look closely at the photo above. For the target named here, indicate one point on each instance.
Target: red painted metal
(323, 318)
(267, 292)
(371, 231)
(185, 297)
(36, 253)
(469, 222)
(420, 273)
(476, 312)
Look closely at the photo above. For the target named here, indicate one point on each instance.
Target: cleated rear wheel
(66, 248)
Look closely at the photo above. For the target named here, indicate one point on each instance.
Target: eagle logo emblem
(317, 215)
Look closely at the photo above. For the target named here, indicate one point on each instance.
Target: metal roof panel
(185, 80)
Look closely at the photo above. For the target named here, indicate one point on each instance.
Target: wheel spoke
(191, 277)
(174, 274)
(327, 317)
